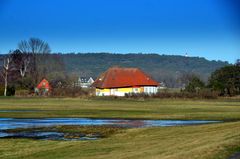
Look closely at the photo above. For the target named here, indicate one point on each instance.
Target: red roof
(44, 84)
(117, 77)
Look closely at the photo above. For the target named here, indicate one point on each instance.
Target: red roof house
(44, 85)
(119, 81)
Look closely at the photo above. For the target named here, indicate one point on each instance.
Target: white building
(85, 82)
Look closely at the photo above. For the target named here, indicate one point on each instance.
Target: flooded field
(29, 128)
(13, 123)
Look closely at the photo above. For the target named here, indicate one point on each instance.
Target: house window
(135, 90)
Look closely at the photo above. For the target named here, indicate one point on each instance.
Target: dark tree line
(224, 81)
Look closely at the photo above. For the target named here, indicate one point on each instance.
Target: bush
(202, 94)
(10, 91)
(207, 94)
(1, 90)
(195, 85)
(22, 93)
(137, 95)
(69, 92)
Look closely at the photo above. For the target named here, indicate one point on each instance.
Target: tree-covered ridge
(171, 69)
(168, 68)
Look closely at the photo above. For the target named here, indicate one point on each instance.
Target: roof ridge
(124, 77)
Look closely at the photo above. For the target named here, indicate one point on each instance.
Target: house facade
(118, 81)
(84, 82)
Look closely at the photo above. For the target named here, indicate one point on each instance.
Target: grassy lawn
(184, 142)
(227, 109)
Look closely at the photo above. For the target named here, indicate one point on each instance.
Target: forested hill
(163, 68)
(168, 68)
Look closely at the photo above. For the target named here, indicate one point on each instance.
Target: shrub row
(203, 94)
(10, 90)
(69, 92)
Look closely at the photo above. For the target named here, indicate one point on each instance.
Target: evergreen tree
(194, 85)
(226, 80)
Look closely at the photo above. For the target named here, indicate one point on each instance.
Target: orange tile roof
(44, 84)
(117, 77)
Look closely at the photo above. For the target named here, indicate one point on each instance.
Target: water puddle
(39, 135)
(7, 124)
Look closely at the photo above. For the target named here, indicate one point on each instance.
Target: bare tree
(38, 50)
(21, 62)
(5, 72)
(34, 46)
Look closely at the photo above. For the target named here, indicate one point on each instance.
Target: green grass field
(208, 141)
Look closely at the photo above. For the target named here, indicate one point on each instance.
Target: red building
(118, 81)
(43, 87)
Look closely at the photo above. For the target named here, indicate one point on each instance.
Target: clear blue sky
(205, 28)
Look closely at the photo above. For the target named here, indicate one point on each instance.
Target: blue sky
(205, 28)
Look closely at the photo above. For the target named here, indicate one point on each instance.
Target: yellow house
(118, 81)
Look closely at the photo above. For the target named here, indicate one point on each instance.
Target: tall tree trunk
(6, 67)
(6, 84)
(35, 70)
